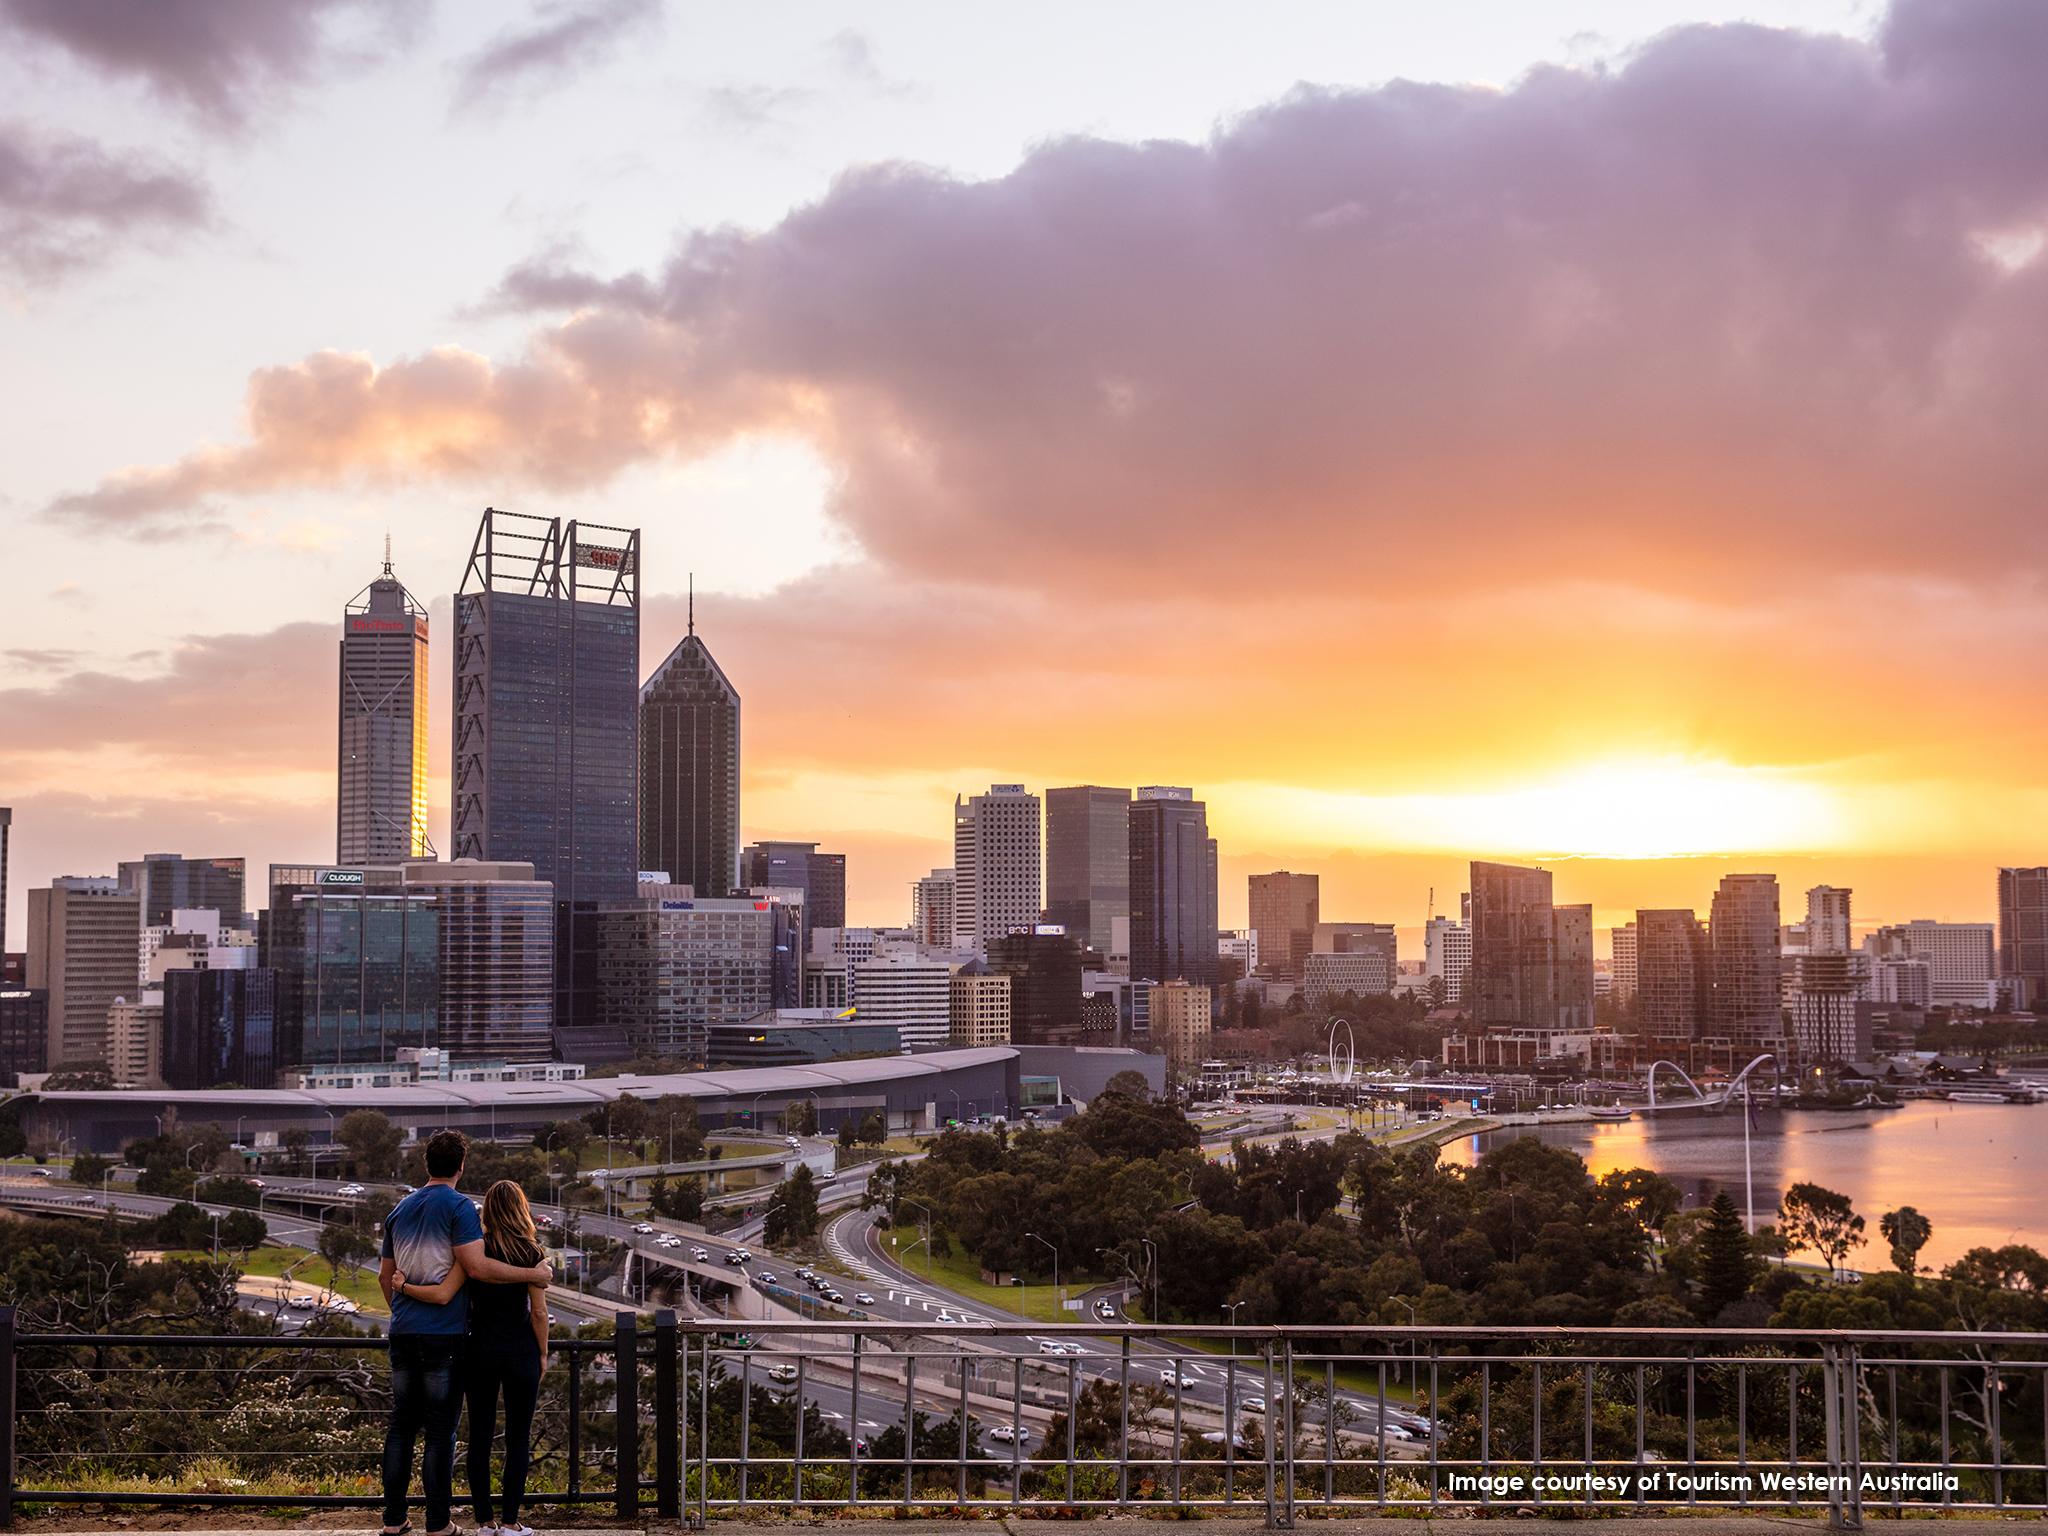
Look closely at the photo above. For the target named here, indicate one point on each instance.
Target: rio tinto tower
(381, 799)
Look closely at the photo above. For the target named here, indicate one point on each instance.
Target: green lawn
(308, 1272)
(959, 1273)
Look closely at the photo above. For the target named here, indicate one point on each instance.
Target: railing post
(626, 1452)
(668, 1479)
(6, 1417)
(1838, 1401)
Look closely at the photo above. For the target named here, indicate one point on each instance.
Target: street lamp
(1231, 1308)
(1152, 1269)
(1055, 1266)
(1411, 1339)
(927, 1238)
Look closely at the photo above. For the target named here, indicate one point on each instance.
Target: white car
(668, 1240)
(698, 1254)
(1009, 1434)
(745, 1256)
(1059, 1347)
(734, 1256)
(1106, 1311)
(862, 1298)
(340, 1306)
(644, 1228)
(1174, 1378)
(40, 1173)
(1252, 1403)
(1394, 1432)
(353, 1189)
(302, 1301)
(782, 1373)
(946, 1317)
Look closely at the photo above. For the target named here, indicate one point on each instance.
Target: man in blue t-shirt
(427, 1234)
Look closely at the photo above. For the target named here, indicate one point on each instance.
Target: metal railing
(1267, 1421)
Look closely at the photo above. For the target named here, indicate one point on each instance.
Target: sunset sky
(1604, 432)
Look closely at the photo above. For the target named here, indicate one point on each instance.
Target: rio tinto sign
(603, 557)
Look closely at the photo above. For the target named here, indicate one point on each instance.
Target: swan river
(1979, 1172)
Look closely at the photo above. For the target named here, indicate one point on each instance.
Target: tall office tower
(1285, 908)
(84, 933)
(690, 770)
(1513, 980)
(1572, 949)
(1173, 888)
(547, 667)
(219, 1027)
(995, 864)
(1087, 861)
(1961, 959)
(1177, 1021)
(1673, 979)
(2023, 932)
(1447, 955)
(672, 966)
(1827, 920)
(1743, 928)
(912, 992)
(800, 867)
(1044, 967)
(171, 882)
(1624, 946)
(980, 1007)
(358, 962)
(931, 909)
(381, 759)
(6, 823)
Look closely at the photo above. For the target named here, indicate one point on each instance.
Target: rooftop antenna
(387, 551)
(693, 602)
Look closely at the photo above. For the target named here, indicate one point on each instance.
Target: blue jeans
(514, 1370)
(426, 1399)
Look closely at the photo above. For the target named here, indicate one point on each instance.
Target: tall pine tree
(1727, 1267)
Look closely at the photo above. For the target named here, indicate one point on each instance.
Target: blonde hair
(509, 1232)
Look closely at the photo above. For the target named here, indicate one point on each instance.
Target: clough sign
(602, 556)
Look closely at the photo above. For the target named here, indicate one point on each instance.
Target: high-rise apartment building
(1743, 929)
(84, 933)
(1173, 888)
(547, 695)
(1961, 960)
(135, 1037)
(1572, 943)
(980, 1002)
(1825, 986)
(672, 966)
(911, 991)
(1285, 908)
(498, 931)
(931, 909)
(995, 864)
(1447, 955)
(381, 756)
(690, 770)
(1827, 920)
(1513, 980)
(171, 882)
(1671, 966)
(1177, 1021)
(800, 867)
(1087, 861)
(2023, 931)
(219, 1028)
(1623, 948)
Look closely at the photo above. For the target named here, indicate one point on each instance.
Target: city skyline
(1625, 693)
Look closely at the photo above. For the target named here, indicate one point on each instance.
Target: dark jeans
(512, 1367)
(426, 1398)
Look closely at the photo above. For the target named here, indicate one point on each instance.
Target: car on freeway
(1009, 1434)
(1395, 1432)
(733, 1256)
(746, 1256)
(782, 1373)
(699, 1254)
(863, 1298)
(1252, 1403)
(40, 1173)
(644, 1228)
(1106, 1310)
(355, 1189)
(947, 1317)
(765, 1277)
(837, 1298)
(339, 1306)
(302, 1301)
(1173, 1378)
(1059, 1347)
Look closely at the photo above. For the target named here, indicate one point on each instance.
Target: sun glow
(1636, 809)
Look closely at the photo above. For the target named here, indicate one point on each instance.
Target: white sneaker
(515, 1530)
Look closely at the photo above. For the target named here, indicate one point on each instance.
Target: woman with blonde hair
(506, 1354)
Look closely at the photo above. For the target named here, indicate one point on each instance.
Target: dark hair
(445, 1152)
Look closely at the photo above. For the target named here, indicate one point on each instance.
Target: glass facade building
(170, 882)
(220, 1028)
(1087, 861)
(799, 866)
(358, 963)
(547, 665)
(690, 771)
(381, 761)
(671, 966)
(1173, 888)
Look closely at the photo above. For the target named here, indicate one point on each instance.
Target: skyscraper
(84, 933)
(1447, 954)
(995, 864)
(547, 663)
(800, 867)
(1285, 908)
(171, 882)
(1961, 958)
(6, 824)
(690, 770)
(2023, 931)
(931, 909)
(1672, 968)
(219, 1027)
(358, 963)
(1513, 979)
(1622, 960)
(381, 759)
(1173, 888)
(1743, 928)
(498, 932)
(1827, 920)
(1572, 949)
(1087, 860)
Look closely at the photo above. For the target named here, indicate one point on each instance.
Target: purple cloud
(562, 39)
(68, 204)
